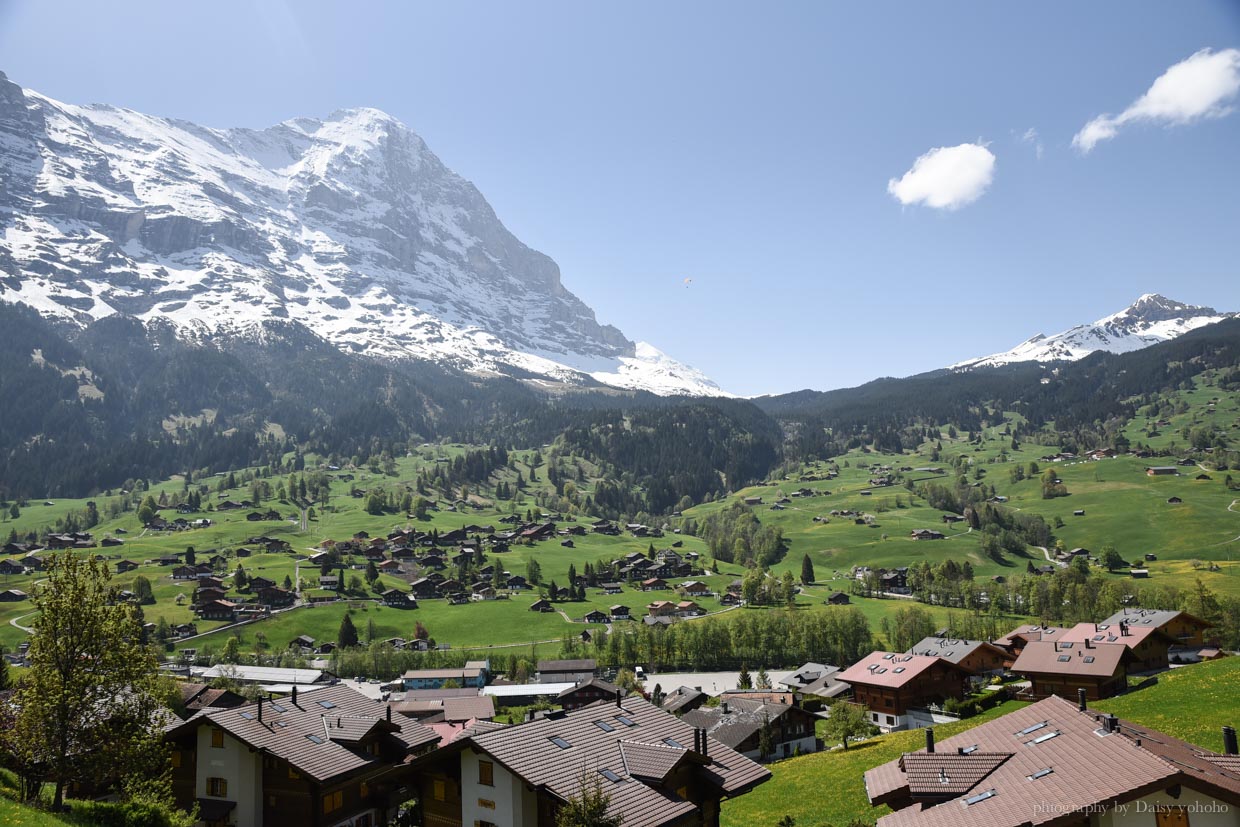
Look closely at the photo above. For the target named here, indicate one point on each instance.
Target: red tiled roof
(889, 669)
(1053, 658)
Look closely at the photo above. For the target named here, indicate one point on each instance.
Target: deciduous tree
(89, 704)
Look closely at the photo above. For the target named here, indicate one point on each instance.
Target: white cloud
(1198, 87)
(1031, 137)
(946, 177)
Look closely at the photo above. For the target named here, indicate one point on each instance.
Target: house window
(176, 759)
(333, 802)
(217, 737)
(440, 793)
(217, 787)
(486, 773)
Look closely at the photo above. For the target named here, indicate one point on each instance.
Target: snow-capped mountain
(1147, 321)
(349, 225)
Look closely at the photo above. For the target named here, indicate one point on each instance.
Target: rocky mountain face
(1149, 320)
(349, 226)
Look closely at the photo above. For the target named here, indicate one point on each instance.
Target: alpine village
(324, 503)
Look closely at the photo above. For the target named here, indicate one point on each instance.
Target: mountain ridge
(1152, 318)
(348, 224)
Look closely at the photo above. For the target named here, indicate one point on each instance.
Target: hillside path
(1047, 554)
(17, 625)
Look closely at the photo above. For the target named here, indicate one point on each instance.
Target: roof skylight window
(974, 799)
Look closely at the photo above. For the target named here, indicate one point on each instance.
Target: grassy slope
(1192, 703)
(13, 814)
(1123, 506)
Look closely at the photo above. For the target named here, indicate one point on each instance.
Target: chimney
(1112, 723)
(723, 707)
(929, 739)
(389, 714)
(260, 710)
(1089, 644)
(1055, 644)
(705, 748)
(1229, 741)
(1080, 699)
(618, 699)
(1123, 629)
(294, 695)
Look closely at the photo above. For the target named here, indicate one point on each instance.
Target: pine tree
(347, 636)
(807, 570)
(744, 681)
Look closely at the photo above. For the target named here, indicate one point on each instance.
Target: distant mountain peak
(348, 225)
(1152, 318)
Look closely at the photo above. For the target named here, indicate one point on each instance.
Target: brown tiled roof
(1056, 755)
(580, 665)
(592, 683)
(1030, 632)
(1052, 658)
(478, 707)
(652, 761)
(888, 669)
(314, 736)
(594, 738)
(940, 774)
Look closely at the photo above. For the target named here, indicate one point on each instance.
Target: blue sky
(749, 147)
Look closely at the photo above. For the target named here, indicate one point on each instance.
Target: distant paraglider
(688, 282)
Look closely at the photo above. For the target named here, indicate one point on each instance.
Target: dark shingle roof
(336, 717)
(582, 744)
